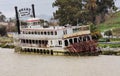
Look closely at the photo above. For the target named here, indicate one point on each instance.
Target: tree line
(2, 17)
(2, 28)
(82, 11)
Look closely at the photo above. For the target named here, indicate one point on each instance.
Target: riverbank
(6, 42)
(116, 53)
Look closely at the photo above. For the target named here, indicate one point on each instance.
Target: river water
(14, 64)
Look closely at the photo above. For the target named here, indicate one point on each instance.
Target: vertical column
(33, 10)
(49, 43)
(68, 41)
(82, 38)
(63, 43)
(86, 38)
(54, 42)
(17, 20)
(90, 37)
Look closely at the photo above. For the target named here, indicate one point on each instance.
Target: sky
(42, 7)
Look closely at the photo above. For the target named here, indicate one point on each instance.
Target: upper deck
(52, 32)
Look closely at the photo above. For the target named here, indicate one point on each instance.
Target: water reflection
(13, 64)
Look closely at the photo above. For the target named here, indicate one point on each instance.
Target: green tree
(81, 11)
(69, 11)
(104, 6)
(108, 33)
(3, 31)
(91, 8)
(99, 7)
(2, 17)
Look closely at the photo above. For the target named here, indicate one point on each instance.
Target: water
(13, 64)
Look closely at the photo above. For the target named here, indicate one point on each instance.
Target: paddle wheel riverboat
(55, 40)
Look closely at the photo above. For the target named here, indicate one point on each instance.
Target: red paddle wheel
(83, 47)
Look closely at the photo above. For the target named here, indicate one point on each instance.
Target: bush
(109, 53)
(3, 31)
(110, 45)
(4, 45)
(96, 35)
(108, 33)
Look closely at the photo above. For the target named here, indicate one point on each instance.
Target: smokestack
(17, 20)
(33, 10)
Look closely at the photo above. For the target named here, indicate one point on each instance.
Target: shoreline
(108, 53)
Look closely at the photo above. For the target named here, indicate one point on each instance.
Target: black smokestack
(33, 10)
(17, 20)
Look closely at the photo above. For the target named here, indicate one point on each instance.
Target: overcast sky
(42, 7)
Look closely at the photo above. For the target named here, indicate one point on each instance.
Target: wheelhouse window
(76, 30)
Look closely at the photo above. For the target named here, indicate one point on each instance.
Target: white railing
(28, 36)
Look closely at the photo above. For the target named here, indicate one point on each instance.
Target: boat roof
(33, 20)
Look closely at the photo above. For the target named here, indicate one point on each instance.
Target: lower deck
(83, 44)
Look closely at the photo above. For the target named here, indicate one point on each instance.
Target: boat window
(84, 38)
(30, 41)
(35, 32)
(36, 41)
(26, 41)
(75, 40)
(55, 32)
(71, 41)
(44, 33)
(34, 23)
(28, 23)
(66, 43)
(41, 33)
(43, 42)
(88, 37)
(29, 32)
(51, 32)
(76, 30)
(38, 33)
(26, 32)
(32, 32)
(33, 41)
(28, 50)
(38, 23)
(60, 42)
(51, 42)
(48, 33)
(39, 41)
(23, 41)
